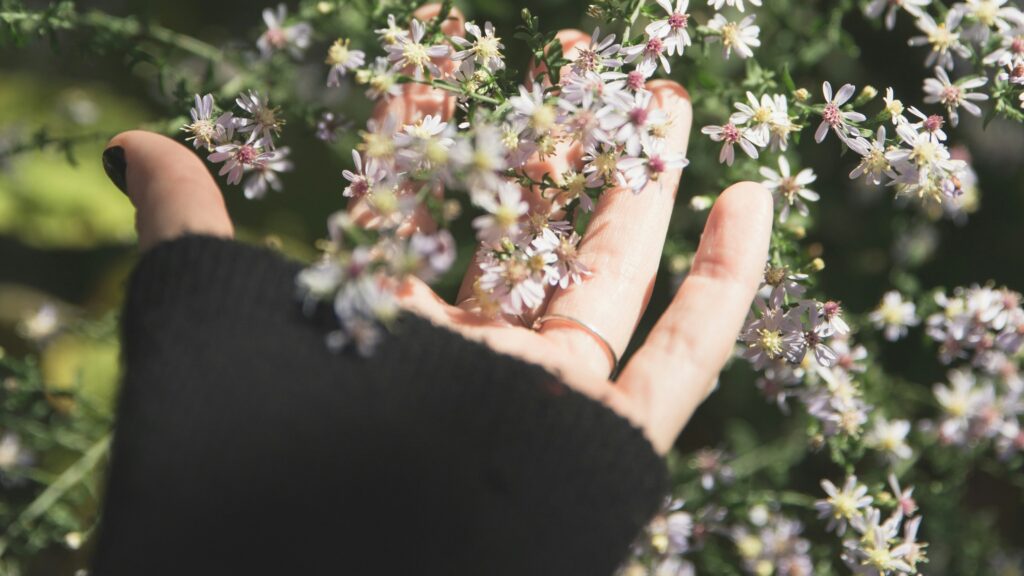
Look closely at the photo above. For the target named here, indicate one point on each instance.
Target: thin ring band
(586, 328)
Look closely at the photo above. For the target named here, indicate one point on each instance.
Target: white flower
(843, 506)
(263, 176)
(873, 164)
(630, 120)
(739, 36)
(294, 38)
(894, 315)
(650, 53)
(729, 135)
(893, 107)
(380, 79)
(991, 14)
(424, 145)
(409, 52)
(943, 38)
(568, 269)
(890, 437)
(835, 118)
(930, 124)
(1010, 52)
(393, 34)
(206, 131)
(913, 7)
(954, 96)
(773, 336)
(674, 28)
(238, 158)
(788, 189)
(763, 114)
(41, 325)
(517, 281)
(505, 210)
(364, 179)
(341, 59)
(737, 3)
(265, 122)
(649, 167)
(599, 55)
(539, 115)
(484, 51)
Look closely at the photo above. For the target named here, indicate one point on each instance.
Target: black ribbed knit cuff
(540, 478)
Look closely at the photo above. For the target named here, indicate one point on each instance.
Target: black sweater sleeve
(243, 446)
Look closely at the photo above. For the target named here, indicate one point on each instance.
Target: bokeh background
(67, 238)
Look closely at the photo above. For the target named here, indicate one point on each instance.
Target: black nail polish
(115, 165)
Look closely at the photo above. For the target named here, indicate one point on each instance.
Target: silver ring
(586, 328)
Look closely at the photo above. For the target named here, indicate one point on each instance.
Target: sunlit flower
(944, 39)
(836, 118)
(265, 122)
(341, 59)
(295, 39)
(790, 190)
(739, 36)
(673, 29)
(484, 51)
(890, 437)
(876, 7)
(717, 4)
(205, 131)
(409, 52)
(894, 315)
(954, 96)
(843, 505)
(730, 135)
(264, 176)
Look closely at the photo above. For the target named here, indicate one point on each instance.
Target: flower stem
(442, 85)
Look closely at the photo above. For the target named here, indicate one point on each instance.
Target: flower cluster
(243, 142)
(880, 547)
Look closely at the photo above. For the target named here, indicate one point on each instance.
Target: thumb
(170, 187)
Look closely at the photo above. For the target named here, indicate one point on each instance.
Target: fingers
(623, 246)
(566, 155)
(674, 370)
(171, 189)
(415, 102)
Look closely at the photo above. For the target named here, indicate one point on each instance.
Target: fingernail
(115, 165)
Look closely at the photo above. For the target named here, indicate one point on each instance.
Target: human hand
(668, 377)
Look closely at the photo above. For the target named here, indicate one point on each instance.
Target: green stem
(632, 20)
(131, 27)
(442, 85)
(67, 480)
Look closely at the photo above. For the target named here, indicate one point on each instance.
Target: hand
(667, 378)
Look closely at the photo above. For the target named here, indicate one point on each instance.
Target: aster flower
(393, 33)
(485, 51)
(775, 335)
(873, 164)
(893, 107)
(380, 78)
(931, 124)
(516, 282)
(341, 59)
(953, 96)
(990, 15)
(601, 166)
(831, 318)
(630, 120)
(264, 176)
(205, 131)
(905, 504)
(539, 115)
(567, 269)
(1010, 52)
(364, 179)
(650, 53)
(890, 438)
(431, 255)
(788, 189)
(589, 89)
(739, 36)
(843, 505)
(943, 38)
(875, 553)
(894, 315)
(876, 7)
(41, 325)
(15, 458)
(481, 157)
(424, 145)
(673, 29)
(265, 122)
(505, 210)
(238, 158)
(409, 52)
(730, 135)
(780, 126)
(762, 114)
(295, 39)
(780, 284)
(717, 4)
(712, 466)
(649, 166)
(961, 401)
(835, 118)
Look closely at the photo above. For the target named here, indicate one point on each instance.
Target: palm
(669, 375)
